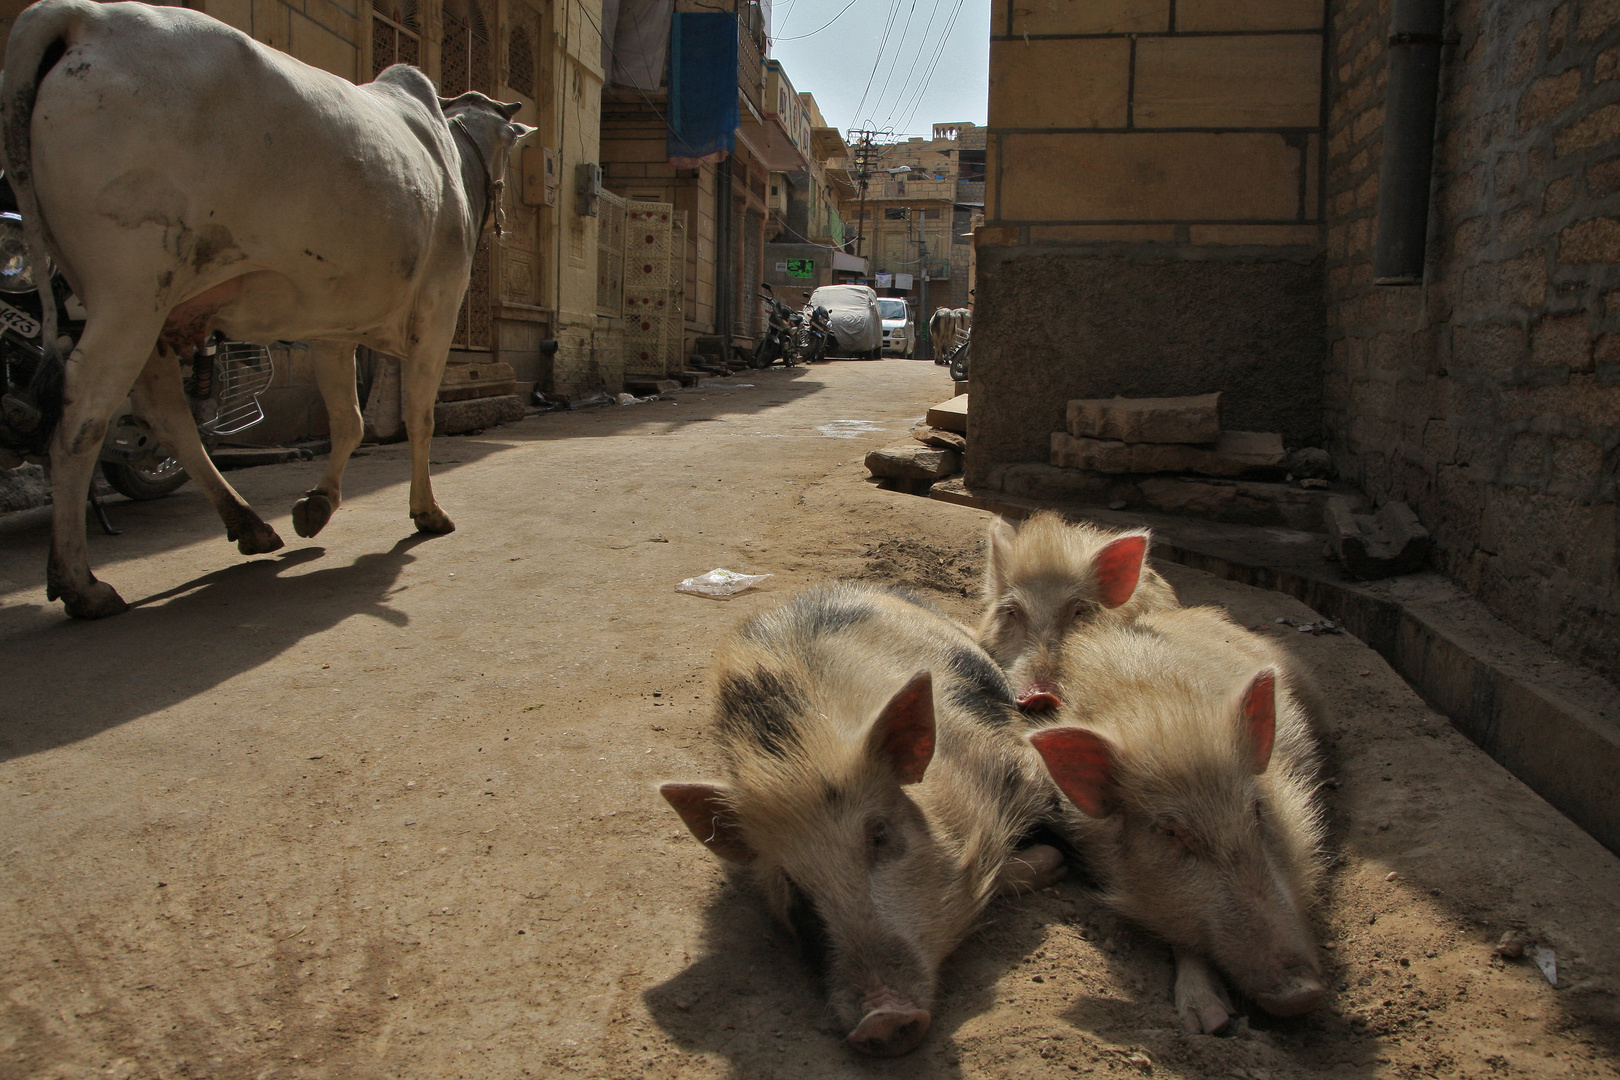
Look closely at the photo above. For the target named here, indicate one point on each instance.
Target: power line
(933, 63)
(894, 9)
(901, 94)
(822, 27)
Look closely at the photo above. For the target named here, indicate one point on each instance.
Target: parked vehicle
(899, 339)
(223, 380)
(815, 335)
(960, 356)
(856, 322)
(780, 341)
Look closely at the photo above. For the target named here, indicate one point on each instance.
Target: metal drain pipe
(1405, 172)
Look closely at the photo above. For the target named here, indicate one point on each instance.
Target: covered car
(856, 321)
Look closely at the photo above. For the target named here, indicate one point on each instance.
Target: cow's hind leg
(423, 371)
(160, 399)
(97, 378)
(334, 374)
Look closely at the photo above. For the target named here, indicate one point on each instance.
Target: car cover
(855, 319)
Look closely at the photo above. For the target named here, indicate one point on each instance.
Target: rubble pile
(943, 443)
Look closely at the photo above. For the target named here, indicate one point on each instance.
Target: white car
(855, 319)
(898, 335)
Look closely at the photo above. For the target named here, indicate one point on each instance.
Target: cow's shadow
(753, 997)
(68, 681)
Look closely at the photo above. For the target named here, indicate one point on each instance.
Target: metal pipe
(1406, 169)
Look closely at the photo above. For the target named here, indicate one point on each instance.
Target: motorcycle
(816, 334)
(780, 341)
(223, 380)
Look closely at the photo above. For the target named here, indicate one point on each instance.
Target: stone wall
(1489, 398)
(1152, 216)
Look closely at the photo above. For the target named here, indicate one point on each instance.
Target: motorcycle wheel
(152, 480)
(764, 353)
(959, 361)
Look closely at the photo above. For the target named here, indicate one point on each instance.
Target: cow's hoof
(434, 521)
(311, 513)
(96, 602)
(256, 538)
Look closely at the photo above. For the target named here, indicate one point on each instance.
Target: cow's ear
(707, 812)
(516, 131)
(508, 109)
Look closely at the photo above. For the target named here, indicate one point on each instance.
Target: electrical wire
(901, 94)
(823, 26)
(933, 63)
(894, 9)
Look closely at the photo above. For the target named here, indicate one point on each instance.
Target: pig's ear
(903, 736)
(998, 544)
(1117, 568)
(708, 814)
(1259, 707)
(1082, 764)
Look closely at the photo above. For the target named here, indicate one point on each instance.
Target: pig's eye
(881, 842)
(1171, 830)
(1011, 614)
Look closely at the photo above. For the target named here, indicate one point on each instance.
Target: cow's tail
(40, 37)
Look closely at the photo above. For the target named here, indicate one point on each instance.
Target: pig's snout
(891, 1027)
(1298, 993)
(1039, 696)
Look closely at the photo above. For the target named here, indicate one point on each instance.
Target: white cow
(186, 178)
(942, 332)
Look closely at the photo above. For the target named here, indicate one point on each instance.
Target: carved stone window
(396, 34)
(520, 61)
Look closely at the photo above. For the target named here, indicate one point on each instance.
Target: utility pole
(865, 156)
(922, 294)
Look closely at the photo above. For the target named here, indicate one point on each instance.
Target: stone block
(951, 415)
(1202, 15)
(1102, 234)
(1382, 545)
(943, 440)
(1064, 83)
(458, 417)
(1091, 17)
(1252, 80)
(960, 387)
(912, 463)
(1592, 241)
(1256, 235)
(1170, 176)
(1155, 420)
(1093, 455)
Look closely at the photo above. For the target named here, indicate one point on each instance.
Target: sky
(868, 61)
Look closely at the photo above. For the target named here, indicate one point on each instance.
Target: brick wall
(1489, 398)
(1152, 215)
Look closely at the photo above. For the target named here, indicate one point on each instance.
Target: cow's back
(164, 135)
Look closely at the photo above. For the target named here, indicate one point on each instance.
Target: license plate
(19, 321)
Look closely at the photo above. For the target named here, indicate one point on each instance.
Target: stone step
(1233, 454)
(475, 414)
(1147, 420)
(950, 415)
(1381, 545)
(463, 382)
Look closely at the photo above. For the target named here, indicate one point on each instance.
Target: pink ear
(1260, 718)
(1082, 763)
(1117, 568)
(707, 813)
(903, 735)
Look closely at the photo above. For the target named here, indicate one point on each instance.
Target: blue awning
(703, 114)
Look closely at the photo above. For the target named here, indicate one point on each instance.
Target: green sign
(805, 268)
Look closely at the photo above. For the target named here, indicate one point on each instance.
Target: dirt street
(385, 806)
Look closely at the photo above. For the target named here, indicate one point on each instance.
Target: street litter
(1547, 961)
(631, 399)
(1326, 626)
(720, 584)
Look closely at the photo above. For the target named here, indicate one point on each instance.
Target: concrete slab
(950, 415)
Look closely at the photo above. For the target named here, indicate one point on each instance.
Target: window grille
(520, 61)
(465, 64)
(396, 34)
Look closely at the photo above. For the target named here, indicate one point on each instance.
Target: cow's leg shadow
(334, 374)
(160, 398)
(423, 370)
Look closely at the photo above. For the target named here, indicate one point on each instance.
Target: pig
(877, 785)
(1051, 580)
(1191, 764)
